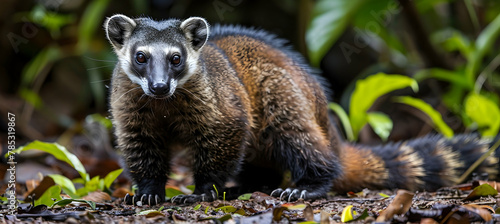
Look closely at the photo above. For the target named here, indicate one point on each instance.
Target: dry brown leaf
(97, 196)
(325, 218)
(308, 213)
(482, 210)
(40, 189)
(32, 184)
(428, 221)
(400, 205)
(121, 192)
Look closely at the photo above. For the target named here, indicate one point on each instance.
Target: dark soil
(444, 206)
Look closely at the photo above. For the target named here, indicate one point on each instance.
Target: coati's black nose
(159, 88)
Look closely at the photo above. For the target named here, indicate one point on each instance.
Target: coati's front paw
(192, 198)
(144, 199)
(293, 194)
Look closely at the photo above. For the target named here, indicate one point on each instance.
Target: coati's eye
(176, 59)
(140, 57)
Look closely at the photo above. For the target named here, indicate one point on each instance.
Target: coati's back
(280, 84)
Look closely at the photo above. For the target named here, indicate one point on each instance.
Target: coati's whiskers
(99, 67)
(100, 60)
(135, 88)
(196, 97)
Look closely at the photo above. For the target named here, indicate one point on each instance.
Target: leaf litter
(447, 205)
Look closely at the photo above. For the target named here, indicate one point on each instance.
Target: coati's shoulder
(238, 34)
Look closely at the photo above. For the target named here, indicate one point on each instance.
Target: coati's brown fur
(249, 108)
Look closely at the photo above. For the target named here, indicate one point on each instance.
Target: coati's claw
(145, 199)
(277, 191)
(285, 193)
(303, 194)
(292, 194)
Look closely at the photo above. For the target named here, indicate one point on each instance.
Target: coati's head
(158, 56)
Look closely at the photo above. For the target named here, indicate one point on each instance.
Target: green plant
(468, 75)
(366, 92)
(64, 183)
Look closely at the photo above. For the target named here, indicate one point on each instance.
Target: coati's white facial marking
(159, 69)
(173, 86)
(159, 59)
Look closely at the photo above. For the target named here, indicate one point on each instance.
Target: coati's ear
(118, 29)
(196, 30)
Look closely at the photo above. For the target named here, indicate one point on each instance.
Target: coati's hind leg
(311, 165)
(295, 141)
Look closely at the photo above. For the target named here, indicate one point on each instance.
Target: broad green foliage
(370, 89)
(90, 22)
(330, 18)
(65, 184)
(58, 151)
(171, 192)
(483, 45)
(484, 113)
(364, 95)
(111, 177)
(375, 22)
(50, 196)
(64, 202)
(435, 116)
(381, 124)
(62, 182)
(245, 197)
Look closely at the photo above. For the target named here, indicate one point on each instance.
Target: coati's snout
(159, 89)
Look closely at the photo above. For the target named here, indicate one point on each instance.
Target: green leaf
(34, 67)
(484, 44)
(171, 192)
(65, 183)
(454, 77)
(100, 119)
(58, 151)
(381, 124)
(245, 197)
(111, 177)
(50, 20)
(92, 184)
(31, 97)
(225, 218)
(226, 209)
(190, 187)
(455, 41)
(65, 202)
(329, 20)
(49, 195)
(198, 206)
(151, 213)
(344, 119)
(90, 21)
(482, 190)
(435, 116)
(370, 89)
(484, 113)
(384, 195)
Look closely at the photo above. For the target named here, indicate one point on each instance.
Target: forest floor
(448, 205)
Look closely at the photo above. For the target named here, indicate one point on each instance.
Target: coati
(250, 109)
